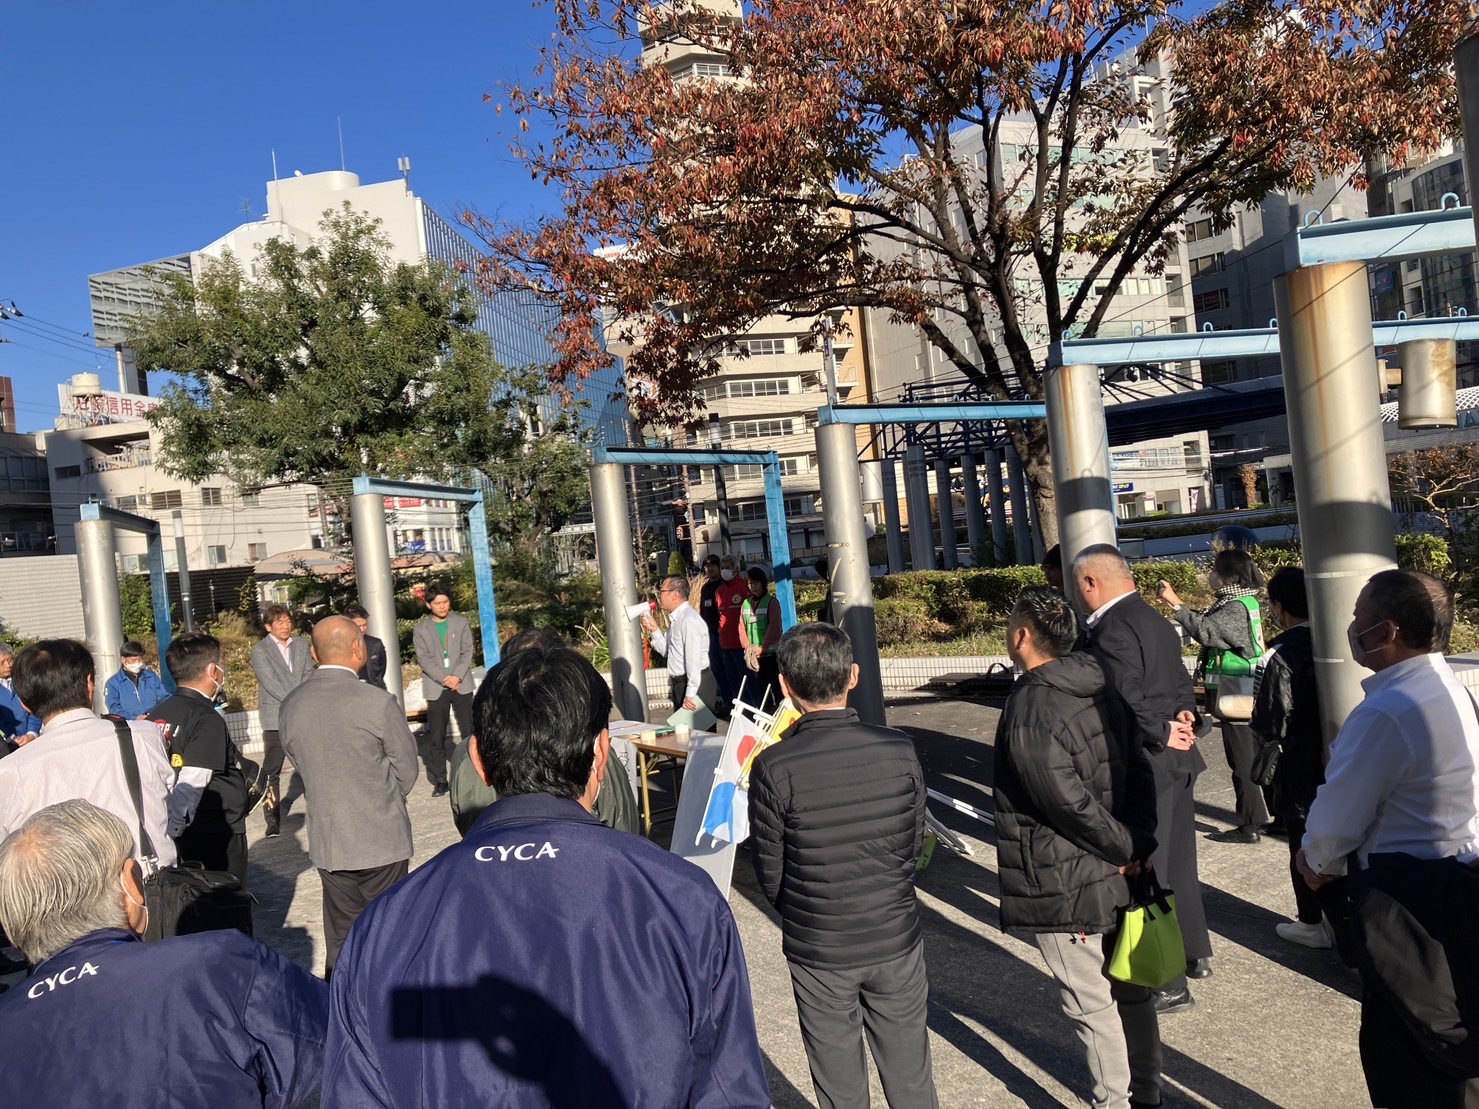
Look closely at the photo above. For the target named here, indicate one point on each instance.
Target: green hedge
(955, 597)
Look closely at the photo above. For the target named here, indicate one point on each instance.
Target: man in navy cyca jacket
(546, 959)
(214, 1019)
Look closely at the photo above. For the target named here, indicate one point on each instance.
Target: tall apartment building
(106, 452)
(766, 394)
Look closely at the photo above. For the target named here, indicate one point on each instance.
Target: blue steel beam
(775, 502)
(1381, 239)
(158, 582)
(1221, 345)
(638, 456)
(929, 413)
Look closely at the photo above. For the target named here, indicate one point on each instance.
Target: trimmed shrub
(903, 620)
(1428, 553)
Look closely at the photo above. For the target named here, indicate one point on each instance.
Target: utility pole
(187, 607)
(721, 495)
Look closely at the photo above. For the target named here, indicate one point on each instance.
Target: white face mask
(134, 667)
(727, 574)
(1358, 652)
(129, 897)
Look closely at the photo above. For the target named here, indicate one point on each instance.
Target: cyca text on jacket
(44, 986)
(524, 852)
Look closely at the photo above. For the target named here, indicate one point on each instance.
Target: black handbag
(1265, 766)
(181, 900)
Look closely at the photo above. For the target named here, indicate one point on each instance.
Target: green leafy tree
(332, 359)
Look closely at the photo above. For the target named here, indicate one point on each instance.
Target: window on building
(127, 504)
(1198, 230)
(166, 498)
(1212, 300)
(1175, 296)
(215, 556)
(211, 497)
(752, 471)
(171, 559)
(775, 387)
(256, 552)
(1210, 263)
(760, 429)
(716, 391)
(1219, 373)
(1178, 325)
(134, 564)
(761, 346)
(68, 471)
(251, 500)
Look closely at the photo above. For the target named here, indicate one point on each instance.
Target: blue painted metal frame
(477, 526)
(775, 502)
(929, 413)
(1255, 343)
(1382, 238)
(164, 630)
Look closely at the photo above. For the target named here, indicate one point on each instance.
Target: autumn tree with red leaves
(828, 173)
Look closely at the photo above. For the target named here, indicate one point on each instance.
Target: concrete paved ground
(1275, 1025)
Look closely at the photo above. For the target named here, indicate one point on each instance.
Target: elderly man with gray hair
(212, 1019)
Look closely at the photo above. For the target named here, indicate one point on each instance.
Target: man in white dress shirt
(1401, 781)
(686, 647)
(76, 756)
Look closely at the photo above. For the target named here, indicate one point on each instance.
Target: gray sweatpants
(1116, 1022)
(890, 1003)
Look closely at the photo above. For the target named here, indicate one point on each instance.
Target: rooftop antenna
(341, 143)
(274, 165)
(404, 165)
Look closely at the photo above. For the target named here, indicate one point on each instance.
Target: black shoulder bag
(181, 899)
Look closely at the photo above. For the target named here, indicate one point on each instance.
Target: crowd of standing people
(508, 964)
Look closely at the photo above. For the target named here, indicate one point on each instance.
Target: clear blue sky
(133, 132)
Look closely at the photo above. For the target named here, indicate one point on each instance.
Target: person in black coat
(1141, 655)
(1286, 711)
(1075, 813)
(376, 661)
(837, 817)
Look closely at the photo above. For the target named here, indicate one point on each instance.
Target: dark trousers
(1398, 1074)
(1306, 902)
(888, 1003)
(439, 741)
(736, 674)
(346, 893)
(1175, 860)
(215, 851)
(272, 757)
(1241, 747)
(769, 678)
(716, 668)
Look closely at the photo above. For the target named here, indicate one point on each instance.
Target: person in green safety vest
(760, 631)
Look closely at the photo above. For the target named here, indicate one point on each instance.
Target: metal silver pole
(1339, 461)
(975, 515)
(917, 494)
(998, 507)
(1021, 521)
(847, 552)
(1466, 65)
(721, 491)
(182, 564)
(1080, 448)
(619, 588)
(888, 475)
(102, 611)
(945, 502)
(376, 586)
(1429, 396)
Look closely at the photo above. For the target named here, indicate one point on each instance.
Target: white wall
(41, 597)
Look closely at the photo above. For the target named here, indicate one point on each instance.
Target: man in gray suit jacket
(281, 661)
(444, 651)
(357, 759)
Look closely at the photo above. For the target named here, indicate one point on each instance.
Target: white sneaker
(1307, 935)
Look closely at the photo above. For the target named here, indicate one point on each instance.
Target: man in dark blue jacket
(546, 959)
(18, 726)
(214, 1019)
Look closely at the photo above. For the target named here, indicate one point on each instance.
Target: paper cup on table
(683, 733)
(649, 736)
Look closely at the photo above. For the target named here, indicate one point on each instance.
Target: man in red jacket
(849, 919)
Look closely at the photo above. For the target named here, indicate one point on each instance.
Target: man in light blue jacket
(135, 689)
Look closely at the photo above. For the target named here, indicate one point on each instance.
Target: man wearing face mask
(208, 806)
(730, 599)
(214, 1019)
(135, 689)
(1400, 787)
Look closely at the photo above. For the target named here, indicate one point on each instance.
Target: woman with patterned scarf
(1227, 626)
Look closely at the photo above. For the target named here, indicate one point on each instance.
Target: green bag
(1230, 676)
(1148, 951)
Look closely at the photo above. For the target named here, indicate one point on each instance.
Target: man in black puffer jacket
(837, 815)
(1075, 811)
